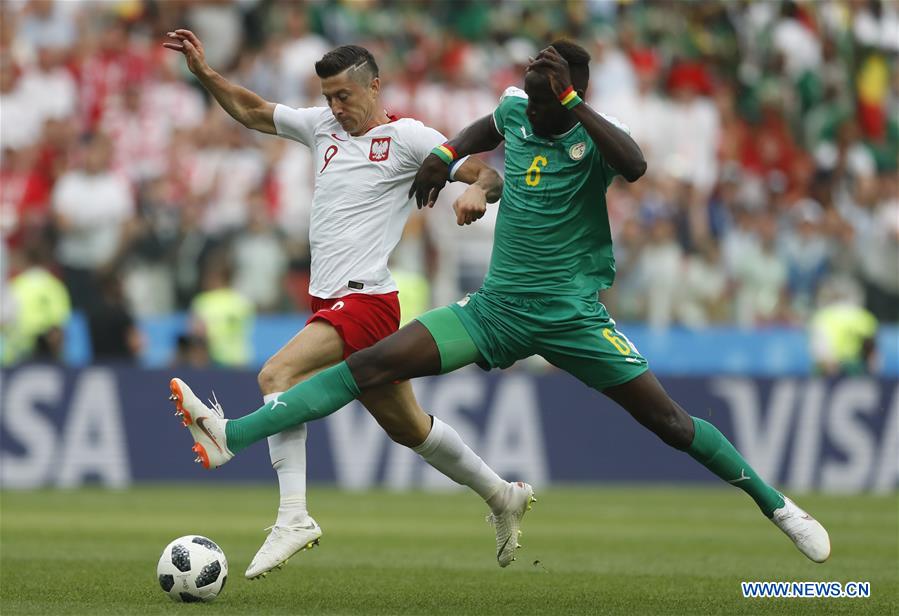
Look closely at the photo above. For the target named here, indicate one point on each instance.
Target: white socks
(445, 450)
(287, 451)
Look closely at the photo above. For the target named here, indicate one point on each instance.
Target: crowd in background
(769, 128)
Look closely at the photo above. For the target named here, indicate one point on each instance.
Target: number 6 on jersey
(532, 176)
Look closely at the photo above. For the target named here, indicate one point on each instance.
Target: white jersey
(359, 203)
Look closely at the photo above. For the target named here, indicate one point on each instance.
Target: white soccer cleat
(508, 522)
(805, 531)
(206, 425)
(282, 543)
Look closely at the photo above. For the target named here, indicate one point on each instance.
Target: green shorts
(573, 333)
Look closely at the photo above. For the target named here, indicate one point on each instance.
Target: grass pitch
(586, 551)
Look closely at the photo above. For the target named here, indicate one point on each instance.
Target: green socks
(711, 449)
(321, 395)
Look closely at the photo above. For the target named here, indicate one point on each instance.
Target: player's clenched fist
(471, 205)
(187, 43)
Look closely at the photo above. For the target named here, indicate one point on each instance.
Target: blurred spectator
(795, 40)
(227, 171)
(189, 255)
(695, 125)
(24, 193)
(140, 134)
(48, 24)
(842, 334)
(626, 299)
(39, 309)
(219, 24)
(760, 277)
(180, 104)
(49, 87)
(660, 272)
(301, 46)
(116, 60)
(879, 249)
(260, 262)
(114, 333)
(612, 74)
(806, 252)
(223, 317)
(701, 296)
(92, 207)
(21, 125)
(642, 110)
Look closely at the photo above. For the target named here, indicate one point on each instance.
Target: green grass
(600, 550)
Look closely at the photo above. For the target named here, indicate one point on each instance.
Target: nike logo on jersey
(743, 477)
(201, 423)
(338, 138)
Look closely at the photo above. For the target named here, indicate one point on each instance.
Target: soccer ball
(192, 568)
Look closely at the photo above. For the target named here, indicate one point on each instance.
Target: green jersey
(552, 235)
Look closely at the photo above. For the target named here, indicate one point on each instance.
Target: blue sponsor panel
(773, 351)
(115, 426)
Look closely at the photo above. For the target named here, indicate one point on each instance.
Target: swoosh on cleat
(201, 422)
(503, 547)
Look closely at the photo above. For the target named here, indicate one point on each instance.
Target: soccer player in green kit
(552, 253)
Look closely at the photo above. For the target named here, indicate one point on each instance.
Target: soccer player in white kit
(364, 162)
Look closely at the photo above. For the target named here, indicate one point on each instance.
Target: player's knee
(674, 426)
(273, 377)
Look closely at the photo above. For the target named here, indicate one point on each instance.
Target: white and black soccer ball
(192, 568)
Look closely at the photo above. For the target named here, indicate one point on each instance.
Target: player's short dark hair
(348, 56)
(578, 60)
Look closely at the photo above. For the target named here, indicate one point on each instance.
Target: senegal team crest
(576, 152)
(380, 149)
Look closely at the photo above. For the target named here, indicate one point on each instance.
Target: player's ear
(375, 86)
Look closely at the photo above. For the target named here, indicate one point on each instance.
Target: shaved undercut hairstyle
(578, 62)
(359, 60)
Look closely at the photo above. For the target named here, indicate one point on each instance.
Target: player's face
(352, 102)
(546, 115)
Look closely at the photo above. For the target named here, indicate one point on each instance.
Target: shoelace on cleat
(215, 405)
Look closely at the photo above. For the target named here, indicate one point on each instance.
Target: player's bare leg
(646, 400)
(397, 411)
(316, 347)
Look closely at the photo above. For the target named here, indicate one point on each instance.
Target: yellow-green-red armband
(446, 153)
(569, 98)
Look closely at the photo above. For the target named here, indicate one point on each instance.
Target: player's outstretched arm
(245, 106)
(615, 145)
(479, 136)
